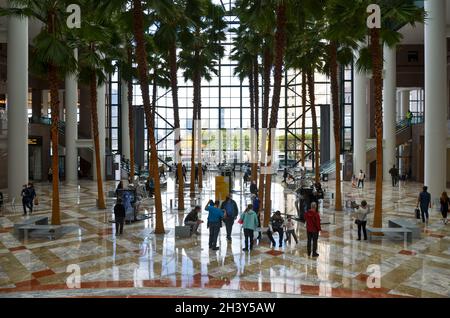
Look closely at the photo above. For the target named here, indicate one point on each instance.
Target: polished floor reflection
(139, 263)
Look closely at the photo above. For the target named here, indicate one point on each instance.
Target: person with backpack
(231, 212)
(445, 205)
(276, 225)
(119, 216)
(249, 222)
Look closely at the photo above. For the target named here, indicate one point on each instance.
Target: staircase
(403, 135)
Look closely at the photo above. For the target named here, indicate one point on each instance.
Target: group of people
(424, 203)
(29, 197)
(227, 213)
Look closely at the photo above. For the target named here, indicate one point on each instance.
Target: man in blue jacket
(215, 217)
(231, 212)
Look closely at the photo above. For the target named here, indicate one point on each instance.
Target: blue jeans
(214, 230)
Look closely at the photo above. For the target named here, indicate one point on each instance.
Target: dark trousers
(27, 204)
(290, 233)
(361, 182)
(394, 181)
(214, 229)
(280, 233)
(229, 226)
(443, 212)
(424, 212)
(362, 226)
(248, 235)
(313, 237)
(119, 225)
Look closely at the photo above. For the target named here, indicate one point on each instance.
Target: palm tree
(246, 52)
(52, 58)
(201, 51)
(341, 46)
(97, 39)
(169, 17)
(280, 47)
(141, 58)
(393, 15)
(260, 17)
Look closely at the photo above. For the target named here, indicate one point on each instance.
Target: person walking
(285, 175)
(215, 217)
(360, 216)
(276, 225)
(361, 178)
(445, 205)
(50, 174)
(253, 187)
(32, 196)
(193, 221)
(256, 205)
(25, 194)
(313, 228)
(424, 201)
(184, 169)
(249, 223)
(394, 175)
(290, 230)
(231, 212)
(119, 216)
(409, 117)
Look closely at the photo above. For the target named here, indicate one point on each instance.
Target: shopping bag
(417, 210)
(36, 201)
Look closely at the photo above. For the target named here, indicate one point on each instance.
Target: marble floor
(142, 264)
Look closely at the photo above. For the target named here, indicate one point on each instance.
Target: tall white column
(71, 133)
(332, 144)
(389, 105)
(125, 132)
(101, 110)
(359, 121)
(45, 103)
(61, 104)
(17, 88)
(404, 103)
(435, 97)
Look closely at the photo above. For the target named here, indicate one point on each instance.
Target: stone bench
(51, 231)
(183, 231)
(35, 220)
(407, 234)
(395, 223)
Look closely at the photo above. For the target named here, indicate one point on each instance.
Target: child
(290, 230)
(354, 182)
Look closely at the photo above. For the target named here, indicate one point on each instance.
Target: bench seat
(394, 223)
(407, 234)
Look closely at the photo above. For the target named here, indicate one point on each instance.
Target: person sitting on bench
(193, 221)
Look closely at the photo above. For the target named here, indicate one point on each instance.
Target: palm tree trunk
(256, 116)
(130, 114)
(54, 85)
(304, 99)
(199, 120)
(336, 121)
(265, 118)
(94, 117)
(196, 79)
(141, 57)
(251, 89)
(377, 65)
(176, 115)
(312, 102)
(153, 116)
(280, 46)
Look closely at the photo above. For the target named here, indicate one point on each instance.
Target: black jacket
(119, 210)
(191, 217)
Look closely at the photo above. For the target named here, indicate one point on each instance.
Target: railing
(328, 167)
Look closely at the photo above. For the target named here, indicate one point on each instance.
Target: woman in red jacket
(313, 228)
